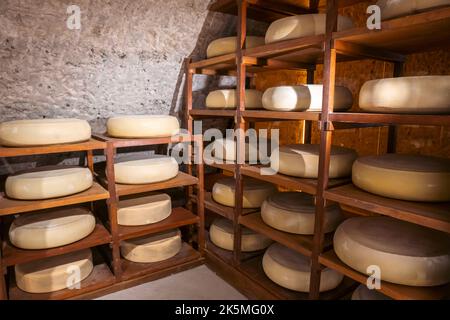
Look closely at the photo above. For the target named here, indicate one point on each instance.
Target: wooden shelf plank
(221, 62)
(123, 143)
(279, 115)
(224, 211)
(412, 119)
(209, 113)
(210, 161)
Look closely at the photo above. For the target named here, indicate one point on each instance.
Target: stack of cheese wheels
(292, 270)
(304, 98)
(397, 8)
(255, 192)
(226, 99)
(406, 253)
(151, 170)
(404, 177)
(407, 95)
(154, 248)
(227, 45)
(143, 126)
(294, 212)
(52, 228)
(54, 273)
(302, 160)
(222, 235)
(48, 182)
(302, 26)
(225, 149)
(41, 132)
(364, 293)
(144, 210)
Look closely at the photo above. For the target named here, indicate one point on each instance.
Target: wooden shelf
(123, 143)
(11, 206)
(431, 215)
(224, 62)
(395, 291)
(416, 119)
(224, 166)
(224, 211)
(263, 115)
(210, 113)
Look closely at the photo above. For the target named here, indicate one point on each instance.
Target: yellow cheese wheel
(41, 132)
(143, 126)
(364, 293)
(154, 248)
(398, 8)
(405, 253)
(144, 210)
(226, 99)
(52, 228)
(227, 45)
(404, 177)
(44, 184)
(225, 150)
(417, 95)
(255, 192)
(221, 234)
(302, 160)
(292, 270)
(155, 169)
(54, 273)
(294, 212)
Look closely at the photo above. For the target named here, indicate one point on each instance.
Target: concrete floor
(199, 283)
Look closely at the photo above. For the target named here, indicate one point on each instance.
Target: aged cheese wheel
(155, 169)
(225, 149)
(304, 98)
(302, 26)
(294, 212)
(397, 8)
(143, 126)
(292, 270)
(406, 253)
(41, 132)
(222, 235)
(154, 248)
(226, 99)
(227, 45)
(54, 273)
(364, 293)
(255, 192)
(144, 210)
(405, 177)
(302, 160)
(48, 182)
(52, 228)
(417, 95)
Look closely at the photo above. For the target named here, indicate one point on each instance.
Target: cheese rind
(225, 149)
(151, 170)
(143, 126)
(398, 8)
(227, 45)
(364, 293)
(226, 99)
(144, 210)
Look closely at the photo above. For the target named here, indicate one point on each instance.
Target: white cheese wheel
(364, 293)
(46, 184)
(154, 248)
(304, 98)
(302, 26)
(404, 177)
(225, 149)
(54, 273)
(397, 8)
(294, 212)
(406, 253)
(227, 45)
(144, 210)
(292, 270)
(255, 192)
(41, 132)
(143, 126)
(417, 95)
(155, 169)
(302, 160)
(221, 234)
(50, 229)
(226, 99)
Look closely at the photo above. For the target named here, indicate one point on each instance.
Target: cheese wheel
(404, 177)
(255, 192)
(144, 210)
(294, 212)
(154, 248)
(364, 293)
(406, 253)
(227, 45)
(292, 270)
(417, 95)
(225, 149)
(304, 98)
(226, 99)
(41, 132)
(45, 184)
(302, 160)
(222, 235)
(143, 126)
(54, 273)
(398, 8)
(302, 26)
(155, 169)
(50, 229)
